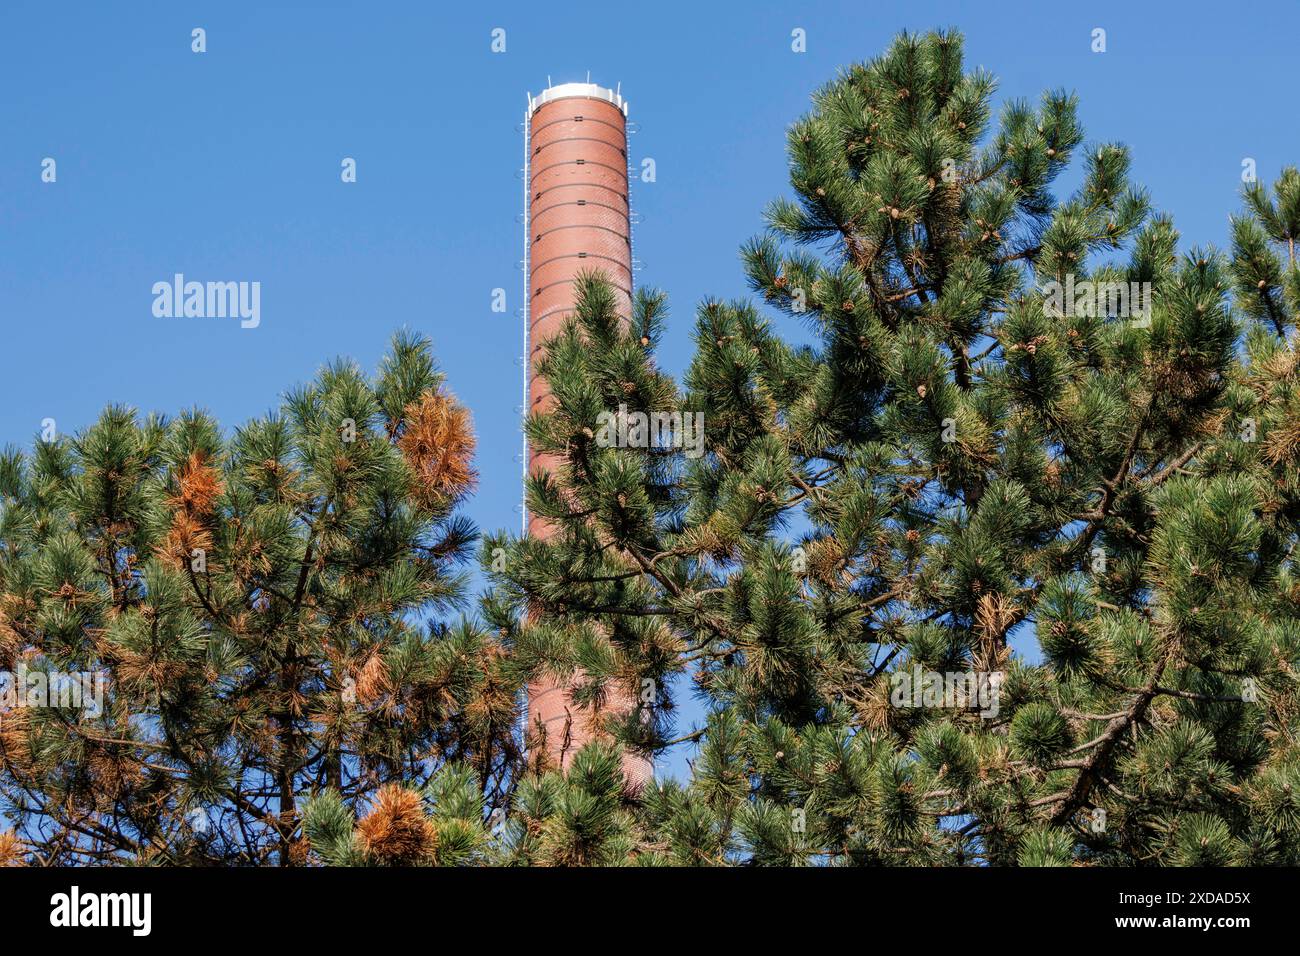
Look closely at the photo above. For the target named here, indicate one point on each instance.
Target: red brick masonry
(578, 220)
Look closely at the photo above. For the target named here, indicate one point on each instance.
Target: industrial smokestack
(578, 218)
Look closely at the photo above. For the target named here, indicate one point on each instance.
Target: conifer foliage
(261, 606)
(1021, 440)
(988, 555)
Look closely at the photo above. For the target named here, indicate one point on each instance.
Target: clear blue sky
(225, 166)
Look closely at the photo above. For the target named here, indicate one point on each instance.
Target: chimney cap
(591, 91)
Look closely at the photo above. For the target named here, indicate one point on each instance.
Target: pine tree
(1029, 450)
(991, 562)
(264, 609)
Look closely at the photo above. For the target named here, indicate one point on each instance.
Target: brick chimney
(578, 220)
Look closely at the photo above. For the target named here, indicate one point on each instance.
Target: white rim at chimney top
(589, 91)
